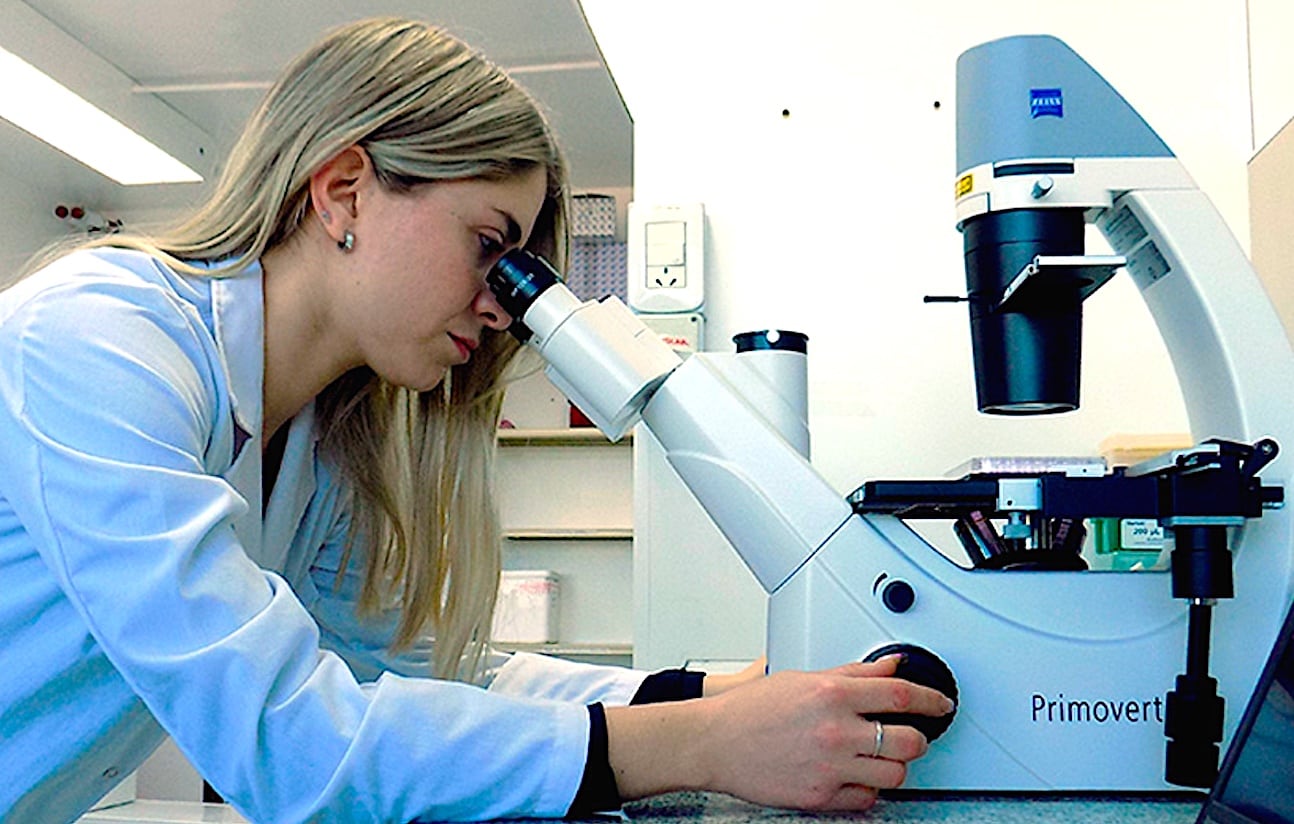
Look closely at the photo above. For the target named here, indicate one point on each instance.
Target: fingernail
(949, 706)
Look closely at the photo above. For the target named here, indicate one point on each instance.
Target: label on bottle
(1140, 534)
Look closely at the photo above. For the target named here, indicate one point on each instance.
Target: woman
(243, 447)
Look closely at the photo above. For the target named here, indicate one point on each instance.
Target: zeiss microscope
(1065, 679)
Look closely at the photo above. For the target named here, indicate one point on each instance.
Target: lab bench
(713, 808)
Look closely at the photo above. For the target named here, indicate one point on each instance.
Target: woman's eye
(490, 245)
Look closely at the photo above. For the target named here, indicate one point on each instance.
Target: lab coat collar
(238, 326)
(238, 321)
(238, 315)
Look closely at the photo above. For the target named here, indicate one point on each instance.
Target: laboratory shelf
(164, 812)
(592, 650)
(577, 436)
(606, 654)
(570, 534)
(565, 502)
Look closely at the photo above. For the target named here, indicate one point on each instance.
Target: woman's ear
(335, 188)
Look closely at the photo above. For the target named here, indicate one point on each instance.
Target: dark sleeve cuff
(598, 791)
(669, 685)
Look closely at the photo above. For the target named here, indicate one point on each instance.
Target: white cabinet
(565, 502)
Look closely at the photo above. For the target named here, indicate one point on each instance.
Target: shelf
(608, 650)
(145, 811)
(579, 436)
(574, 534)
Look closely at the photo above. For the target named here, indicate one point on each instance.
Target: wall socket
(666, 258)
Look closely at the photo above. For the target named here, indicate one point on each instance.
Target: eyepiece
(517, 280)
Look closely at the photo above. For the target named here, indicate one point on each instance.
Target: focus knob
(920, 666)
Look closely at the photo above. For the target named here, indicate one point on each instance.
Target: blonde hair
(419, 465)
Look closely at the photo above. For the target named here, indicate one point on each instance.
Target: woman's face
(416, 300)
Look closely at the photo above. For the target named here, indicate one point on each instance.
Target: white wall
(1271, 25)
(837, 219)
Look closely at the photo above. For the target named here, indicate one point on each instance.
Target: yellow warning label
(965, 184)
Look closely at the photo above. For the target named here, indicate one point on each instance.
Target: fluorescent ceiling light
(35, 103)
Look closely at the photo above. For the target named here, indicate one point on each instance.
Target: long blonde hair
(419, 465)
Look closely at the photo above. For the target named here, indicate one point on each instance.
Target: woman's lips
(464, 345)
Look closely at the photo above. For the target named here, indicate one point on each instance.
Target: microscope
(1066, 679)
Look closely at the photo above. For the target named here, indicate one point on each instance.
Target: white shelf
(565, 499)
(165, 812)
(578, 436)
(570, 534)
(608, 650)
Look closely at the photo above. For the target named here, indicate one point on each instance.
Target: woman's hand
(793, 739)
(715, 684)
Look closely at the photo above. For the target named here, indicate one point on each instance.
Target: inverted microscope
(1065, 678)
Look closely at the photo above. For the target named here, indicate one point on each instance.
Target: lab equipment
(1065, 679)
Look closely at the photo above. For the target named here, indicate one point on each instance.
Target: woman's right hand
(801, 739)
(794, 739)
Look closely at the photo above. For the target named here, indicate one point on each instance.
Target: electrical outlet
(666, 258)
(666, 254)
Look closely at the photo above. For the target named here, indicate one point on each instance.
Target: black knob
(920, 666)
(898, 596)
(1193, 714)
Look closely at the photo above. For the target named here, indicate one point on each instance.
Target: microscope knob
(920, 666)
(898, 595)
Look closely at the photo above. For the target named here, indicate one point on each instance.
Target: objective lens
(1026, 357)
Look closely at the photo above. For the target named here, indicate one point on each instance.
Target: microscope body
(1062, 675)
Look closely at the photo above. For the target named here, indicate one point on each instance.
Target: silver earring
(326, 215)
(347, 241)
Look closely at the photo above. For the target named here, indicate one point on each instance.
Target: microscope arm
(761, 493)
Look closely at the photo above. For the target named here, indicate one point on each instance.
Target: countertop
(713, 808)
(720, 809)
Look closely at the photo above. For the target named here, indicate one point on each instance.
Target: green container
(1121, 544)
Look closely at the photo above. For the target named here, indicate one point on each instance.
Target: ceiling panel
(211, 61)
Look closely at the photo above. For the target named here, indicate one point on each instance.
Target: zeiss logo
(1046, 103)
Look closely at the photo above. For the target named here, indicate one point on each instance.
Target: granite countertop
(721, 809)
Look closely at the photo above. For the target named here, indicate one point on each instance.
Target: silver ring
(880, 739)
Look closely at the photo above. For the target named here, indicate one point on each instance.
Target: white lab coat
(143, 593)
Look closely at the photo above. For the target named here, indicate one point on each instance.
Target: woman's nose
(487, 308)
